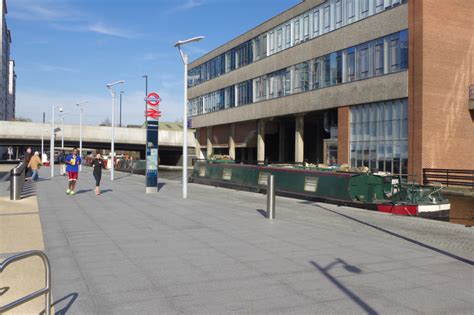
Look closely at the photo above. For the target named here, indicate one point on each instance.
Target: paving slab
(130, 252)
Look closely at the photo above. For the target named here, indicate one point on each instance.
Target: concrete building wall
(441, 128)
(379, 25)
(265, 26)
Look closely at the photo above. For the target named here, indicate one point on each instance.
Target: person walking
(27, 158)
(62, 166)
(34, 164)
(98, 165)
(72, 161)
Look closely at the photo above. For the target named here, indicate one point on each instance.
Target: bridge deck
(127, 252)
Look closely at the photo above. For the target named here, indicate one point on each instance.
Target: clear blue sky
(68, 50)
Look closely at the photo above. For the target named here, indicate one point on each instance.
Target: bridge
(94, 137)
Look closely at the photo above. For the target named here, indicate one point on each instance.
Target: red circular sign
(153, 99)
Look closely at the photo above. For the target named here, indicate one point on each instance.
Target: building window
(316, 23)
(316, 74)
(272, 42)
(338, 13)
(326, 68)
(306, 27)
(350, 9)
(350, 64)
(395, 52)
(296, 34)
(379, 58)
(403, 49)
(244, 93)
(363, 61)
(287, 35)
(379, 134)
(279, 39)
(379, 4)
(327, 18)
(339, 67)
(287, 82)
(364, 8)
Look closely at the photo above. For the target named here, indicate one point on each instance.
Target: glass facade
(360, 62)
(327, 17)
(379, 136)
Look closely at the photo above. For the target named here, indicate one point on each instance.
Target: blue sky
(66, 51)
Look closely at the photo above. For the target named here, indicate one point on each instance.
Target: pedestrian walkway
(132, 253)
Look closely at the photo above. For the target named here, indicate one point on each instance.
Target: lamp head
(114, 83)
(187, 41)
(81, 102)
(60, 109)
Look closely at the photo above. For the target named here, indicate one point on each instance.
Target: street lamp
(80, 129)
(112, 146)
(184, 57)
(61, 114)
(51, 156)
(120, 120)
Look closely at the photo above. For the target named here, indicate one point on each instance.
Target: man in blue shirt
(72, 161)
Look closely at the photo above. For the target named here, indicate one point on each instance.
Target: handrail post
(46, 290)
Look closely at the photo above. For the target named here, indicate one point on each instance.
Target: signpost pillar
(152, 115)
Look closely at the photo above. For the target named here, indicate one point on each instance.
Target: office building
(376, 83)
(7, 70)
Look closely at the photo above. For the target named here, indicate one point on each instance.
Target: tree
(106, 122)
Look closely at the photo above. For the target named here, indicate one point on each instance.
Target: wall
(441, 69)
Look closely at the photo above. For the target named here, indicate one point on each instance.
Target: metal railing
(46, 290)
(17, 181)
(449, 177)
(471, 92)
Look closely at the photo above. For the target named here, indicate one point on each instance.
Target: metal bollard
(271, 197)
(17, 180)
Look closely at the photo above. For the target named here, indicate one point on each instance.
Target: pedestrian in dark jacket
(98, 165)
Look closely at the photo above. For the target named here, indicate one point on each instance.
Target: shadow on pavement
(262, 212)
(340, 286)
(161, 185)
(106, 191)
(440, 251)
(83, 191)
(4, 290)
(61, 311)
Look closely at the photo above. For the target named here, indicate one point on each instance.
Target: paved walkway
(127, 252)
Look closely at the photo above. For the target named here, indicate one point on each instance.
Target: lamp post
(80, 128)
(184, 58)
(120, 120)
(51, 156)
(61, 113)
(112, 146)
(146, 94)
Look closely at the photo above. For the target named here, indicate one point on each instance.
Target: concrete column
(198, 145)
(231, 141)
(209, 142)
(299, 139)
(282, 143)
(343, 135)
(261, 141)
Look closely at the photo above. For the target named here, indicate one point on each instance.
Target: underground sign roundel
(153, 99)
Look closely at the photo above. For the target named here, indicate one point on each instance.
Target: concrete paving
(131, 253)
(20, 231)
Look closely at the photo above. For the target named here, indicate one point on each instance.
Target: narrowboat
(380, 192)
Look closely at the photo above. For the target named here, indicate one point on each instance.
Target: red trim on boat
(411, 210)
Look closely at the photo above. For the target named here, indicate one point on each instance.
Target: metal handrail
(17, 181)
(46, 290)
